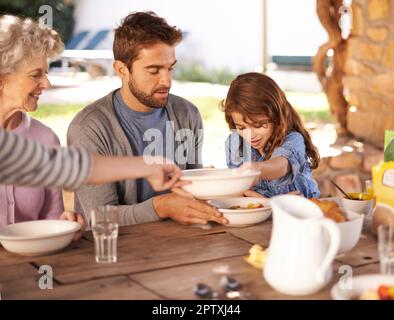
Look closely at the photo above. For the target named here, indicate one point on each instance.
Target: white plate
(218, 183)
(359, 285)
(242, 217)
(39, 237)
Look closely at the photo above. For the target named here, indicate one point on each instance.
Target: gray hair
(22, 39)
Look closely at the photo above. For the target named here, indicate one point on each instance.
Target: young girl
(270, 133)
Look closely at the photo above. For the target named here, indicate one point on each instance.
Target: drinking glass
(386, 249)
(105, 232)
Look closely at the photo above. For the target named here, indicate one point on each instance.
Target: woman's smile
(35, 95)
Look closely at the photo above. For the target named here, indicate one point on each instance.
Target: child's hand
(296, 192)
(71, 216)
(254, 194)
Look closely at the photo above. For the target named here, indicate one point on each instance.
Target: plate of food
(365, 287)
(243, 211)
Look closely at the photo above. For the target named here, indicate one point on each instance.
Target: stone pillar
(369, 70)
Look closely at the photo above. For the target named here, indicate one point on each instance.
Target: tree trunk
(330, 76)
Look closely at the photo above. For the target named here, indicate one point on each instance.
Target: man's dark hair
(140, 30)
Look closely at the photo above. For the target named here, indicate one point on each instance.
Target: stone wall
(369, 70)
(350, 167)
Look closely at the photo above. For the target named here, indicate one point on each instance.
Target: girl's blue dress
(299, 178)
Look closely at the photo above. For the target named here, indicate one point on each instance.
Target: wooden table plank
(8, 258)
(372, 268)
(162, 259)
(365, 252)
(209, 273)
(143, 254)
(166, 229)
(118, 287)
(17, 272)
(256, 234)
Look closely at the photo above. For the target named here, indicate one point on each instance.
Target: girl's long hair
(255, 94)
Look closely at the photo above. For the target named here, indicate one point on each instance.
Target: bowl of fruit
(243, 211)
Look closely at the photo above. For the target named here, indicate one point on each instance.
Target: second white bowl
(242, 217)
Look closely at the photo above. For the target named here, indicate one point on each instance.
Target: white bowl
(242, 217)
(364, 207)
(359, 285)
(217, 183)
(38, 237)
(350, 231)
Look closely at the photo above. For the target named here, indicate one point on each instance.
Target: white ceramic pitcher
(300, 253)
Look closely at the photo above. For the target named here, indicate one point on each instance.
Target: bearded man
(143, 118)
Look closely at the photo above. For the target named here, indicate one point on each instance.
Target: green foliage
(195, 72)
(63, 20)
(66, 111)
(389, 145)
(312, 107)
(389, 151)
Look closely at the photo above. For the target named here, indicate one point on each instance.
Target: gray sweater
(97, 129)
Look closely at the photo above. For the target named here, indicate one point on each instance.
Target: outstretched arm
(270, 169)
(160, 175)
(25, 162)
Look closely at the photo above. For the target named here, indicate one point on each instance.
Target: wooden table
(161, 260)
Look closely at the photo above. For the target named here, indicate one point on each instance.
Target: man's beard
(148, 99)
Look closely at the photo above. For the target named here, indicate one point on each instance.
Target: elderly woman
(25, 48)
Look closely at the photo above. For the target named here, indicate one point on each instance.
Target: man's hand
(185, 210)
(71, 216)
